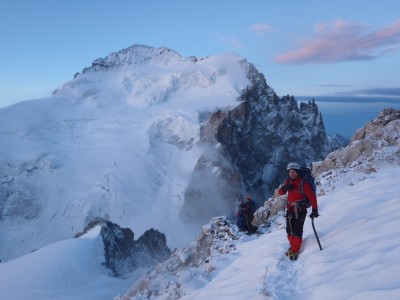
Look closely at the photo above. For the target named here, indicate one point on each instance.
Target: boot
(295, 245)
(293, 255)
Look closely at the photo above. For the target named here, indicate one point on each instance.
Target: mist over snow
(117, 141)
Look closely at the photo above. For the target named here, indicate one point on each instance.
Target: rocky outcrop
(384, 131)
(218, 238)
(250, 145)
(385, 127)
(123, 254)
(265, 132)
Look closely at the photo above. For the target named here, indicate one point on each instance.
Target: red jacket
(296, 194)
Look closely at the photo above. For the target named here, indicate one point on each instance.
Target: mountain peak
(136, 55)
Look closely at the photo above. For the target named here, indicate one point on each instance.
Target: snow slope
(69, 269)
(358, 229)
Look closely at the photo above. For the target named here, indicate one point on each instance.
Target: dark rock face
(118, 248)
(270, 132)
(252, 144)
(151, 248)
(123, 254)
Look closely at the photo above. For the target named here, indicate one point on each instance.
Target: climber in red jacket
(296, 208)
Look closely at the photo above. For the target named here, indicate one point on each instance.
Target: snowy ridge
(137, 55)
(358, 229)
(352, 239)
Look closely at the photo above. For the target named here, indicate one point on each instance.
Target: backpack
(307, 175)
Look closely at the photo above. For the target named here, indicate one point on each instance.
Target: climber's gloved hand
(314, 213)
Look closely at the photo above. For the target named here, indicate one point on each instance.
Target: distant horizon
(343, 114)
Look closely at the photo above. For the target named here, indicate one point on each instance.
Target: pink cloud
(343, 41)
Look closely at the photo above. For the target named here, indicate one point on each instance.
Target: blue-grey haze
(344, 115)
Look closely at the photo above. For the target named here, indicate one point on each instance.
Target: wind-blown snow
(117, 142)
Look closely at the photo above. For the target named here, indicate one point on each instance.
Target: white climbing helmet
(293, 166)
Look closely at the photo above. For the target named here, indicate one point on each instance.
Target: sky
(358, 230)
(307, 48)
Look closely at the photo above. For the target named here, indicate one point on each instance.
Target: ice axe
(315, 232)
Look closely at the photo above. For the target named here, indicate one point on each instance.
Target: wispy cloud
(261, 28)
(385, 93)
(335, 85)
(343, 41)
(391, 92)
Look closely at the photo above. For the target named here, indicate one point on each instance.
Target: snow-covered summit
(142, 76)
(118, 143)
(138, 55)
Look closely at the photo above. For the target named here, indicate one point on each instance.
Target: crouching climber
(248, 209)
